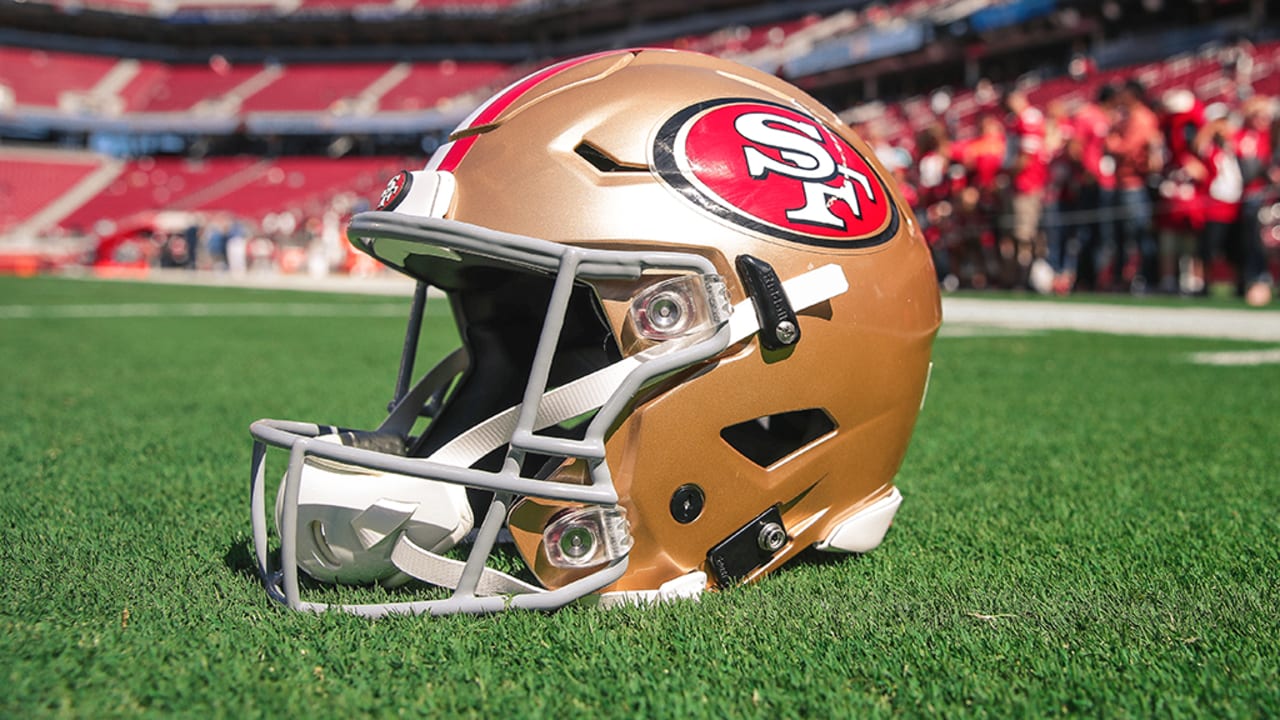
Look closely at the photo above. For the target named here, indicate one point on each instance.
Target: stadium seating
(341, 5)
(249, 187)
(109, 87)
(314, 87)
(30, 180)
(163, 8)
(1266, 70)
(1202, 72)
(345, 97)
(160, 183)
(51, 79)
(742, 38)
(426, 84)
(178, 88)
(470, 5)
(303, 185)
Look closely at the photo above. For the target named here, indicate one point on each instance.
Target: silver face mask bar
(393, 237)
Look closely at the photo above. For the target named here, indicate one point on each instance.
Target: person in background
(237, 248)
(1028, 168)
(1135, 143)
(1182, 194)
(1095, 173)
(932, 165)
(1062, 196)
(1254, 150)
(1215, 148)
(217, 233)
(981, 158)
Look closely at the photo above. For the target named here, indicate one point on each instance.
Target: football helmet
(695, 320)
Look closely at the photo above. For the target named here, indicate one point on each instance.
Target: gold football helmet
(695, 320)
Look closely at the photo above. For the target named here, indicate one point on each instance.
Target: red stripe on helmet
(498, 103)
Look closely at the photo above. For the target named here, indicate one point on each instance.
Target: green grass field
(1090, 528)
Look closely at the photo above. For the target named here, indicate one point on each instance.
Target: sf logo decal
(774, 170)
(397, 188)
(803, 158)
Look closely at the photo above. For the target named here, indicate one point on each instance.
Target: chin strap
(581, 396)
(418, 562)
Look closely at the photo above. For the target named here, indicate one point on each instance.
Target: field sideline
(1090, 528)
(1216, 318)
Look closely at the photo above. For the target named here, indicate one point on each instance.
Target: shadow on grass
(239, 557)
(822, 558)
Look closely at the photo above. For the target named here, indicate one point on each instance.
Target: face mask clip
(779, 327)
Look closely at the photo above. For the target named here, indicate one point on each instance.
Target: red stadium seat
(40, 77)
(249, 187)
(314, 87)
(161, 184)
(178, 88)
(429, 83)
(302, 185)
(30, 180)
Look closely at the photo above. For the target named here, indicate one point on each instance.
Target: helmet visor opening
(500, 312)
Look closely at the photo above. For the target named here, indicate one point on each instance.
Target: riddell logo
(774, 170)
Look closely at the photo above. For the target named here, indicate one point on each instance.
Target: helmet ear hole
(687, 503)
(323, 552)
(767, 439)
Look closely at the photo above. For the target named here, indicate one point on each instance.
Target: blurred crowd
(1122, 193)
(1119, 193)
(288, 242)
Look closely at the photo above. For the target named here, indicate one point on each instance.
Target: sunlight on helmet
(695, 319)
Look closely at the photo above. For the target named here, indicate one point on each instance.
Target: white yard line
(961, 330)
(1261, 326)
(1238, 357)
(392, 285)
(192, 310)
(962, 317)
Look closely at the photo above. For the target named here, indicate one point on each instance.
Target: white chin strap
(359, 526)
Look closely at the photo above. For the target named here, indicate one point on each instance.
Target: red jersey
(1253, 148)
(1225, 184)
(1032, 172)
(982, 157)
(933, 168)
(1184, 199)
(1090, 127)
(1131, 144)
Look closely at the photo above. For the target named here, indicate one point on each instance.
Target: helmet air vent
(766, 440)
(602, 162)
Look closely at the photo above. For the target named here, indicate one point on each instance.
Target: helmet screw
(786, 332)
(771, 538)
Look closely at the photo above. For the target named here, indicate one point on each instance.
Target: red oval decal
(775, 170)
(395, 191)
